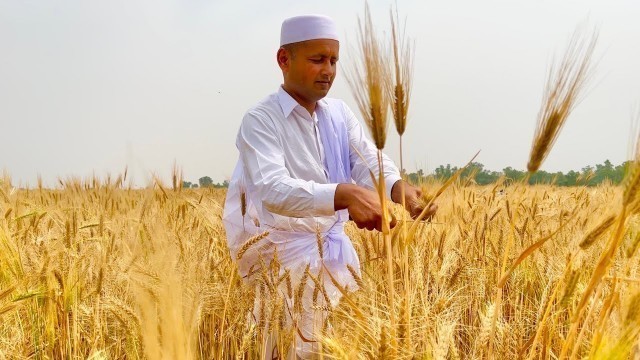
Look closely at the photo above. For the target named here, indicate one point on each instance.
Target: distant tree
(572, 178)
(486, 177)
(542, 177)
(472, 170)
(476, 173)
(621, 171)
(224, 185)
(445, 173)
(416, 177)
(586, 175)
(205, 181)
(186, 184)
(513, 174)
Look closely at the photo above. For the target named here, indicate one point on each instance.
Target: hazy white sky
(94, 86)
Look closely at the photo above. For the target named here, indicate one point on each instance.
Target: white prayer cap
(307, 27)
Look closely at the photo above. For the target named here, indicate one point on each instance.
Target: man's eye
(317, 61)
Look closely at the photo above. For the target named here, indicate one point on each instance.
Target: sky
(92, 87)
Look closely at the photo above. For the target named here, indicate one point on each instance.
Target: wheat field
(97, 270)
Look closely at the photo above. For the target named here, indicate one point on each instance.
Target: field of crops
(96, 270)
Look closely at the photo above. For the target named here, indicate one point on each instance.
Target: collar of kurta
(288, 103)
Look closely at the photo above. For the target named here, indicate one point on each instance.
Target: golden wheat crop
(98, 270)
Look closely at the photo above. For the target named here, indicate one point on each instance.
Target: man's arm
(263, 159)
(412, 195)
(363, 205)
(393, 182)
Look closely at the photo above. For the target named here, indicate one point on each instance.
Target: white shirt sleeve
(263, 158)
(366, 148)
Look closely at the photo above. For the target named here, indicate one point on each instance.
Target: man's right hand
(363, 206)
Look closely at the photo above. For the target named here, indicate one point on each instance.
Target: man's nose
(328, 69)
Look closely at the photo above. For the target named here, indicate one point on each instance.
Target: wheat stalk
(369, 81)
(249, 243)
(597, 232)
(632, 178)
(565, 86)
(400, 89)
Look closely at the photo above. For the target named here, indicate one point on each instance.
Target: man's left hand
(412, 196)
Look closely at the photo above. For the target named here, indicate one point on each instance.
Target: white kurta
(283, 172)
(282, 159)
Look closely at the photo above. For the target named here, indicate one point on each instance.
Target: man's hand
(412, 195)
(363, 205)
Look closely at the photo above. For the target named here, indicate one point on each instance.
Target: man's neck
(311, 107)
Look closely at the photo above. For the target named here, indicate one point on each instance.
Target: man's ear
(284, 59)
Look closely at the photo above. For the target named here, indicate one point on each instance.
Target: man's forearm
(343, 195)
(396, 191)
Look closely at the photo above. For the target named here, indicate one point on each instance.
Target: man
(303, 172)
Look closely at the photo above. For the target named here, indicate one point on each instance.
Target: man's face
(309, 68)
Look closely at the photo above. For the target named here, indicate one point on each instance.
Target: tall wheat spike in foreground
(369, 81)
(370, 89)
(399, 93)
(400, 89)
(403, 71)
(565, 86)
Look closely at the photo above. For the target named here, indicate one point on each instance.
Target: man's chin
(322, 93)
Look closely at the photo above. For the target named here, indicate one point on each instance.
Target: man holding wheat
(303, 171)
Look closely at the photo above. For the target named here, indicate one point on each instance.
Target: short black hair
(291, 48)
